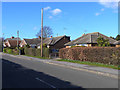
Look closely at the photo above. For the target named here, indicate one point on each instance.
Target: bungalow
(89, 40)
(32, 42)
(56, 42)
(117, 43)
(11, 42)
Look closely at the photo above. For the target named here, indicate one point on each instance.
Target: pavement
(27, 72)
(93, 69)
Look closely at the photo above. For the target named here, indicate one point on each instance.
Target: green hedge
(36, 52)
(11, 51)
(105, 55)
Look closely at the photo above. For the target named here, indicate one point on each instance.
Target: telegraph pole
(41, 32)
(17, 39)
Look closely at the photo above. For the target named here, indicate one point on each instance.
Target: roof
(12, 39)
(89, 39)
(53, 40)
(32, 41)
(117, 42)
(13, 43)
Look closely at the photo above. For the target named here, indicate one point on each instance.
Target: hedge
(105, 55)
(11, 51)
(36, 52)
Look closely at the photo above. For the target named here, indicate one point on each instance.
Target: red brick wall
(60, 43)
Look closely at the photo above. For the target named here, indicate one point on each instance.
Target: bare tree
(47, 32)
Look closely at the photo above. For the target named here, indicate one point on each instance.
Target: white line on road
(45, 83)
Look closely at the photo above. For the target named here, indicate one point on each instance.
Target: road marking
(45, 83)
(83, 69)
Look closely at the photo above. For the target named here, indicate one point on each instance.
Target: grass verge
(90, 63)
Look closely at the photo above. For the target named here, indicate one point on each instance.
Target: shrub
(10, 51)
(44, 45)
(4, 50)
(15, 51)
(16, 48)
(106, 55)
(26, 51)
(36, 52)
(46, 52)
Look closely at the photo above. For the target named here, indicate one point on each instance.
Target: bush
(15, 51)
(106, 55)
(22, 50)
(36, 52)
(4, 50)
(10, 51)
(44, 45)
(46, 52)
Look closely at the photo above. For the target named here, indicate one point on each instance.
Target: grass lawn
(38, 57)
(90, 63)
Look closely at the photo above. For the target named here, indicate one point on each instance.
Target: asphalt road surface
(22, 73)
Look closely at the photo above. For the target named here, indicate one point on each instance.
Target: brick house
(56, 42)
(89, 40)
(11, 42)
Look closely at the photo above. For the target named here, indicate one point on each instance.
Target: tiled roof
(32, 41)
(53, 40)
(90, 38)
(12, 39)
(13, 43)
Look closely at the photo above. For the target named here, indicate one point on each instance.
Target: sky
(65, 18)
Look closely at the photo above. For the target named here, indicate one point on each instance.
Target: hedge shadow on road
(17, 76)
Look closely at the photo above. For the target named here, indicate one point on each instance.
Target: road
(23, 73)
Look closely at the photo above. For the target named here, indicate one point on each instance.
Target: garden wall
(106, 55)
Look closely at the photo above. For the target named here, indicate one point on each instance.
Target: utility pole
(41, 32)
(17, 40)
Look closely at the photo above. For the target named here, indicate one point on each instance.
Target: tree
(103, 42)
(112, 37)
(117, 37)
(47, 32)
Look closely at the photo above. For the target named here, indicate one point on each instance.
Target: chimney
(12, 37)
(50, 37)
